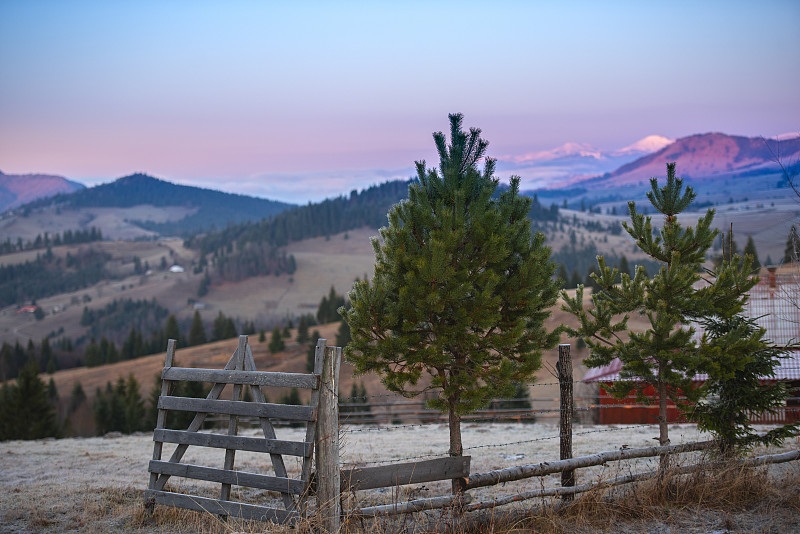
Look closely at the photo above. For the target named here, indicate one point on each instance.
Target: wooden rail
(240, 371)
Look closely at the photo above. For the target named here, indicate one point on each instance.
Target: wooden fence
(241, 372)
(322, 437)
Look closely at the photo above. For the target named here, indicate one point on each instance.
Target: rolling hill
(19, 189)
(206, 207)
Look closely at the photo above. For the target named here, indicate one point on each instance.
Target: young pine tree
(662, 355)
(461, 288)
(197, 332)
(276, 343)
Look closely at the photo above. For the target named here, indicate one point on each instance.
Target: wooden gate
(240, 371)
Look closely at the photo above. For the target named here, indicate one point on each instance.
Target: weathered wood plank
(242, 443)
(215, 506)
(233, 422)
(241, 408)
(311, 427)
(408, 473)
(327, 447)
(250, 378)
(236, 478)
(269, 433)
(162, 414)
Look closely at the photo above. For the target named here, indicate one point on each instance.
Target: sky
(299, 101)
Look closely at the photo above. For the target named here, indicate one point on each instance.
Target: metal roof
(774, 303)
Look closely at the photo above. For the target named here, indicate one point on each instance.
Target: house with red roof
(774, 303)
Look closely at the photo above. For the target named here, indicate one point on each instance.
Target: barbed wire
(498, 445)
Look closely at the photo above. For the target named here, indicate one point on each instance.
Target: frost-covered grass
(97, 484)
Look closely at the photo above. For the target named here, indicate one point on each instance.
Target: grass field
(96, 485)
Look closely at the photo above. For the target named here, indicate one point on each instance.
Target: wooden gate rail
(361, 478)
(240, 371)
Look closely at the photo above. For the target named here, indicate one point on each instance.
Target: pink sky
(300, 102)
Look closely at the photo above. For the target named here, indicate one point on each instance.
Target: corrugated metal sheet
(775, 305)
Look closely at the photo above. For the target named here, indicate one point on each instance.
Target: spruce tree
(276, 343)
(197, 332)
(662, 355)
(461, 288)
(792, 249)
(302, 330)
(172, 330)
(33, 411)
(750, 250)
(737, 357)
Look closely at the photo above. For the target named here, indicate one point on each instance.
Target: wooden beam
(219, 441)
(242, 408)
(250, 378)
(219, 507)
(418, 505)
(236, 478)
(362, 478)
(547, 468)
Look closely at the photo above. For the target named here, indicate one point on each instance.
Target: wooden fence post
(328, 474)
(564, 367)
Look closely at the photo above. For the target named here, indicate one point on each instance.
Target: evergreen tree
(575, 280)
(197, 332)
(750, 250)
(624, 268)
(663, 355)
(76, 397)
(563, 276)
(172, 330)
(302, 330)
(262, 336)
(461, 288)
(790, 253)
(33, 411)
(737, 358)
(276, 343)
(343, 334)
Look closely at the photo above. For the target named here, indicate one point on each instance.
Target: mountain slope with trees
(213, 208)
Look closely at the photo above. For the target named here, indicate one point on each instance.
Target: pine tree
(663, 354)
(343, 334)
(302, 330)
(624, 268)
(750, 249)
(790, 253)
(172, 330)
(276, 343)
(33, 412)
(461, 288)
(197, 332)
(134, 406)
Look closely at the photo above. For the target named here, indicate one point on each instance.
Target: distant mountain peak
(19, 189)
(646, 145)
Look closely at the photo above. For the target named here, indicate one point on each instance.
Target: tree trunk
(456, 448)
(663, 430)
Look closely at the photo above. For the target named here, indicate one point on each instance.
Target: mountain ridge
(19, 189)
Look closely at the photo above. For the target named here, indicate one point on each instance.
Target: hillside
(19, 189)
(205, 208)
